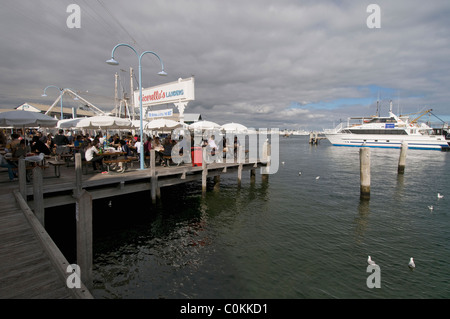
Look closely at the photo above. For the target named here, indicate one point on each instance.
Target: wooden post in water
(22, 179)
(204, 171)
(84, 236)
(38, 195)
(402, 159)
(78, 174)
(364, 158)
(240, 167)
(153, 178)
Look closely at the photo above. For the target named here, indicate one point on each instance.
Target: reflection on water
(294, 236)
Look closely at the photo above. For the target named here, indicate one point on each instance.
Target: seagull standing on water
(430, 207)
(440, 196)
(411, 263)
(370, 261)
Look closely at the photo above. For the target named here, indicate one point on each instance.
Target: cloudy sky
(286, 64)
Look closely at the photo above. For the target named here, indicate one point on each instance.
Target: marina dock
(28, 256)
(31, 266)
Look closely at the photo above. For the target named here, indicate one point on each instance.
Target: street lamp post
(61, 97)
(114, 62)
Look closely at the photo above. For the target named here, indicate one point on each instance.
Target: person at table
(124, 148)
(148, 146)
(20, 151)
(9, 166)
(37, 146)
(167, 152)
(60, 139)
(91, 154)
(13, 143)
(157, 146)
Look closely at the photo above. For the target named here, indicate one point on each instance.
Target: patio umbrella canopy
(161, 124)
(104, 122)
(68, 123)
(136, 124)
(204, 125)
(234, 127)
(21, 118)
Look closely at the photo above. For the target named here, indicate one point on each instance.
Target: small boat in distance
(389, 132)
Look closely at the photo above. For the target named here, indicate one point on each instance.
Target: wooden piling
(22, 179)
(153, 178)
(402, 159)
(78, 174)
(364, 157)
(239, 174)
(84, 236)
(38, 195)
(204, 171)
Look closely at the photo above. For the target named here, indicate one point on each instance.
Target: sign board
(160, 113)
(173, 92)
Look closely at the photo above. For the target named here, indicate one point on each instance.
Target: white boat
(389, 132)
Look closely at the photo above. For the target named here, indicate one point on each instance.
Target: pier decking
(26, 270)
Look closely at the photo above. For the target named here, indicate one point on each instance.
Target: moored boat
(389, 132)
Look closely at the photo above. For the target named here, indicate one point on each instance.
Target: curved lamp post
(60, 94)
(114, 62)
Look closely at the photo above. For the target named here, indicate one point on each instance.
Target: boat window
(379, 132)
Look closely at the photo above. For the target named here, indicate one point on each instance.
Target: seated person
(167, 152)
(125, 148)
(37, 146)
(91, 155)
(20, 150)
(9, 166)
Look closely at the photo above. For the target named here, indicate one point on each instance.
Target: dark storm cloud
(262, 63)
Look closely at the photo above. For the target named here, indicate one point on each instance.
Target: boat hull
(388, 141)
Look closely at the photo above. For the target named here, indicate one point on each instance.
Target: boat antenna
(378, 101)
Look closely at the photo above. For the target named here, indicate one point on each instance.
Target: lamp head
(112, 62)
(44, 95)
(163, 73)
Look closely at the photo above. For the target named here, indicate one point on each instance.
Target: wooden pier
(31, 266)
(74, 186)
(315, 137)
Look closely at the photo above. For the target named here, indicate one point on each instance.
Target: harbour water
(298, 236)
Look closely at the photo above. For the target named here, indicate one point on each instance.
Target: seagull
(440, 196)
(282, 163)
(370, 261)
(299, 173)
(317, 177)
(411, 264)
(430, 207)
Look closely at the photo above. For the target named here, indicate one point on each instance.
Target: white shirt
(212, 144)
(90, 152)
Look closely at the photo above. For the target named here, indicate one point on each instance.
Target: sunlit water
(294, 237)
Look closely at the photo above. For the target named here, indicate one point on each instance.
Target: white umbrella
(137, 123)
(68, 123)
(234, 127)
(104, 122)
(161, 124)
(21, 118)
(204, 125)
